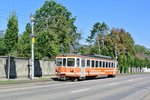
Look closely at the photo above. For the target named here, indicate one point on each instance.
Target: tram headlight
(71, 70)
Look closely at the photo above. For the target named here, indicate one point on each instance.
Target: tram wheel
(74, 79)
(111, 76)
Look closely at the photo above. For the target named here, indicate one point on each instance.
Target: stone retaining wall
(20, 67)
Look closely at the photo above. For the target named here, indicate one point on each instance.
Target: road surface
(129, 87)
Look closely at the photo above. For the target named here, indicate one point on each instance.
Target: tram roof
(89, 55)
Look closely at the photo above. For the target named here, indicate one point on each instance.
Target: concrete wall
(2, 67)
(134, 70)
(146, 69)
(20, 67)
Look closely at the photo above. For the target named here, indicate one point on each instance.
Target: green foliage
(46, 45)
(130, 60)
(97, 36)
(11, 35)
(140, 49)
(55, 32)
(143, 54)
(2, 47)
(54, 27)
(122, 59)
(105, 51)
(121, 44)
(116, 43)
(24, 43)
(123, 41)
(84, 49)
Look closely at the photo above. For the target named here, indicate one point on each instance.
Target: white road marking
(131, 80)
(81, 90)
(140, 78)
(70, 83)
(60, 84)
(116, 83)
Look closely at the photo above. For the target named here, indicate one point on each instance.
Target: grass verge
(2, 82)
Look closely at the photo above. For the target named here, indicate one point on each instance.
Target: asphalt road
(130, 87)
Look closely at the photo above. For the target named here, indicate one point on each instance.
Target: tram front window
(59, 62)
(70, 62)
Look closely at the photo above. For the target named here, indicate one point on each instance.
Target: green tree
(98, 34)
(140, 49)
(130, 61)
(148, 64)
(24, 43)
(123, 41)
(122, 59)
(50, 47)
(84, 49)
(54, 22)
(11, 35)
(137, 62)
(2, 47)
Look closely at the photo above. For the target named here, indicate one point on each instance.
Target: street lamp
(32, 46)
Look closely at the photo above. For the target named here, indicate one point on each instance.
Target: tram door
(82, 67)
(115, 66)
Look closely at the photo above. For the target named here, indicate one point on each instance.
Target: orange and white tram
(75, 66)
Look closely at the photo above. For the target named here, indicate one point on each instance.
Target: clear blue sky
(132, 15)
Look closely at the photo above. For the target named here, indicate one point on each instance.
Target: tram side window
(88, 63)
(82, 63)
(93, 63)
(100, 63)
(70, 62)
(64, 61)
(109, 65)
(106, 64)
(59, 62)
(112, 65)
(78, 62)
(96, 63)
(103, 64)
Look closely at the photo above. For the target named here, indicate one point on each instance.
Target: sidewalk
(21, 80)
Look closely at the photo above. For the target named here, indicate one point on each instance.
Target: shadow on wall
(37, 68)
(12, 69)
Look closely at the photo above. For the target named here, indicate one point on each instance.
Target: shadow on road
(87, 79)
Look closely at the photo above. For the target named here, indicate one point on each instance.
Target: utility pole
(32, 47)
